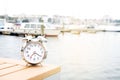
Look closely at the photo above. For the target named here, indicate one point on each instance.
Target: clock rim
(28, 43)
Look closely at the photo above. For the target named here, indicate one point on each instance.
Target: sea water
(87, 56)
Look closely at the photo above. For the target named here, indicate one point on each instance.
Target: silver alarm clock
(33, 51)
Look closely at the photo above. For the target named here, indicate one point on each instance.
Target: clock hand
(32, 54)
(39, 55)
(35, 53)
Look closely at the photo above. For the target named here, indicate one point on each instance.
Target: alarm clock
(33, 51)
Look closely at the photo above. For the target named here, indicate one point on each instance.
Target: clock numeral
(35, 45)
(40, 48)
(28, 48)
(26, 51)
(28, 55)
(42, 52)
(37, 58)
(38, 45)
(31, 45)
(34, 59)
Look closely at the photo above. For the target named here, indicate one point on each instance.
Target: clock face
(34, 52)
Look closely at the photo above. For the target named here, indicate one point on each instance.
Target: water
(81, 57)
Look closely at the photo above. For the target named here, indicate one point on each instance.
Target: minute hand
(38, 54)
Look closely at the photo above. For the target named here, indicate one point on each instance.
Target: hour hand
(38, 55)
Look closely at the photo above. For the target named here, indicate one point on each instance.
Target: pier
(17, 70)
(52, 33)
(78, 31)
(19, 32)
(22, 32)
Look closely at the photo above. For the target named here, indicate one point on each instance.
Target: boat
(52, 30)
(108, 28)
(5, 27)
(49, 30)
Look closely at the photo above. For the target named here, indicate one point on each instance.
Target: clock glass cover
(34, 52)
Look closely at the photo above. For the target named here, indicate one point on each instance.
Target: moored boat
(39, 29)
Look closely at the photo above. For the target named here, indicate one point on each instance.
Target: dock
(36, 32)
(19, 32)
(22, 32)
(78, 31)
(11, 69)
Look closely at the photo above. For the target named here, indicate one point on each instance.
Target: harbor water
(88, 56)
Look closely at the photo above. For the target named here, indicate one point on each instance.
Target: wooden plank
(6, 65)
(2, 63)
(17, 70)
(13, 61)
(10, 70)
(32, 73)
(50, 70)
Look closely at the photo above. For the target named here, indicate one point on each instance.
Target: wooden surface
(17, 70)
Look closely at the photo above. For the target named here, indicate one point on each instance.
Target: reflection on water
(10, 46)
(82, 57)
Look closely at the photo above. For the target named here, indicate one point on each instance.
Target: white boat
(5, 28)
(52, 30)
(36, 28)
(108, 28)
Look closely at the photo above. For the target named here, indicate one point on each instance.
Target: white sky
(77, 8)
